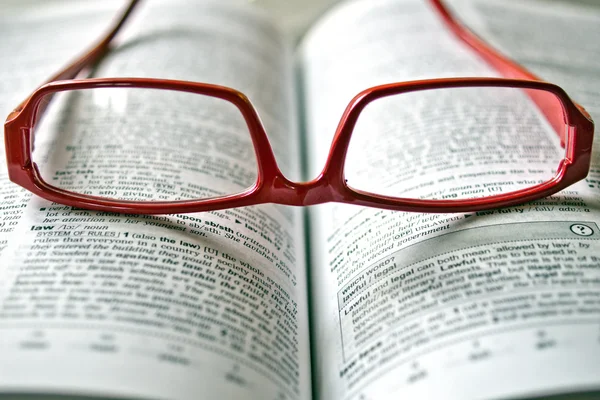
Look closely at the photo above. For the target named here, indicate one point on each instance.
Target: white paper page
(551, 47)
(447, 306)
(168, 306)
(36, 43)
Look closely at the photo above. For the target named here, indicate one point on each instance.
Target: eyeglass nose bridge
(320, 190)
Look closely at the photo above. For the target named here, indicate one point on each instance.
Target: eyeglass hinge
(26, 148)
(569, 142)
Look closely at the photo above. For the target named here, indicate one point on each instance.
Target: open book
(276, 302)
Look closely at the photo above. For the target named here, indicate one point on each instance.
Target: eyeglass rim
(271, 185)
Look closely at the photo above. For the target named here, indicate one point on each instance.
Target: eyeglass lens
(144, 145)
(455, 143)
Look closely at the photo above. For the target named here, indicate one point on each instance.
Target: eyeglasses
(163, 146)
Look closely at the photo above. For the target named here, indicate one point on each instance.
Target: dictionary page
(492, 304)
(551, 48)
(36, 44)
(165, 306)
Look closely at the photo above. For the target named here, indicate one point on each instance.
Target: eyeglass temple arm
(89, 57)
(508, 68)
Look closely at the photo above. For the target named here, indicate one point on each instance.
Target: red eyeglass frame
(330, 186)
